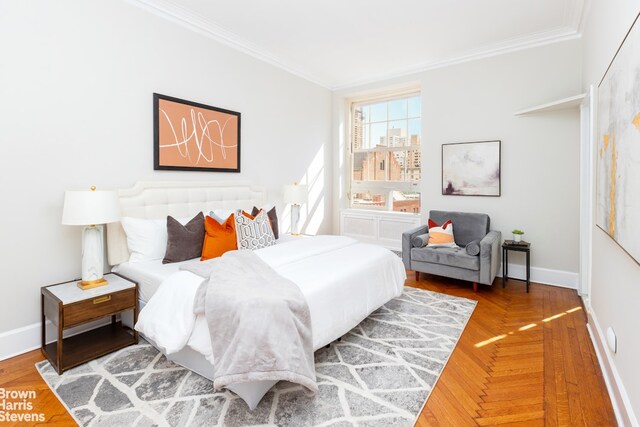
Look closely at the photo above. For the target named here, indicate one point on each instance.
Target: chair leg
(475, 286)
(417, 276)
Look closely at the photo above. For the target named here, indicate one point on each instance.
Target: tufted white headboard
(180, 199)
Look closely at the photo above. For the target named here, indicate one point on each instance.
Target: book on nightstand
(514, 243)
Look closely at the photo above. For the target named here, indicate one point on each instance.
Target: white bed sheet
(342, 287)
(342, 280)
(150, 274)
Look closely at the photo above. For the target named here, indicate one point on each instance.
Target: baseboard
(564, 279)
(18, 341)
(619, 398)
(22, 340)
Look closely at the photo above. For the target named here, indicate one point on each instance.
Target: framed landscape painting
(618, 147)
(194, 137)
(471, 169)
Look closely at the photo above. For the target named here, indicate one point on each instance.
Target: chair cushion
(454, 257)
(467, 227)
(473, 248)
(420, 241)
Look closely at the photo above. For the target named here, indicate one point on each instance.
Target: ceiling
(344, 43)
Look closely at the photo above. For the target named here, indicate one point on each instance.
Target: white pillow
(220, 215)
(147, 238)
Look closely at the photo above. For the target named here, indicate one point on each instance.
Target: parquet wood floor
(523, 360)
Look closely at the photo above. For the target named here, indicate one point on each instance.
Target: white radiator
(378, 227)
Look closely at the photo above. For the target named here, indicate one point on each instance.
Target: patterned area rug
(380, 374)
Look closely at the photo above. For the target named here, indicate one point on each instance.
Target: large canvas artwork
(471, 169)
(618, 147)
(194, 137)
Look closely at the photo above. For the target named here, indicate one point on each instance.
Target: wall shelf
(561, 104)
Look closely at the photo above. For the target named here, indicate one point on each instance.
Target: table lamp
(295, 195)
(91, 209)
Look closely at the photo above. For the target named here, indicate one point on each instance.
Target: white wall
(615, 288)
(76, 84)
(475, 101)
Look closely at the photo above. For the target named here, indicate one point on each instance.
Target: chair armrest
(407, 236)
(490, 256)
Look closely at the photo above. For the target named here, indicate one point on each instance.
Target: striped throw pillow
(441, 235)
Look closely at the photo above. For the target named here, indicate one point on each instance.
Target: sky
(400, 113)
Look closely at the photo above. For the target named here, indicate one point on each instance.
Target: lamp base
(295, 217)
(90, 284)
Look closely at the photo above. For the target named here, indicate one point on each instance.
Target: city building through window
(385, 154)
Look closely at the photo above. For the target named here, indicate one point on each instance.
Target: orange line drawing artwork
(191, 136)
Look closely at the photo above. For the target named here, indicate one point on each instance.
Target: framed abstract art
(618, 146)
(471, 169)
(194, 137)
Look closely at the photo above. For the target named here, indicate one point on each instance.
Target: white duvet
(342, 280)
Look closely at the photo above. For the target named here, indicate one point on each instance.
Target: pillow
(420, 240)
(146, 238)
(184, 241)
(441, 235)
(218, 238)
(473, 248)
(253, 233)
(220, 215)
(273, 219)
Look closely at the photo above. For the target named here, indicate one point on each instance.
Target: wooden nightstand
(67, 306)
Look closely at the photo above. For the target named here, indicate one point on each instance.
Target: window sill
(376, 212)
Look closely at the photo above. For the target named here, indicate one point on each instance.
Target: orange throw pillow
(441, 235)
(218, 238)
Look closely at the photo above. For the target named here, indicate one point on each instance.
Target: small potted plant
(517, 235)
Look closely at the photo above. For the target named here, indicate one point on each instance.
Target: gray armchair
(453, 262)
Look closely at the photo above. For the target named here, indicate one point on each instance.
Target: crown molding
(574, 19)
(509, 46)
(197, 23)
(573, 15)
(584, 13)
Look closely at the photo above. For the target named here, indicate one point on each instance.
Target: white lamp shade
(90, 207)
(295, 194)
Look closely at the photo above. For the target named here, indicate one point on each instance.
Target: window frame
(375, 186)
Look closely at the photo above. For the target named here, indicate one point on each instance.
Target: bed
(342, 280)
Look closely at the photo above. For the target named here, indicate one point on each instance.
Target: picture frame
(617, 147)
(189, 136)
(471, 168)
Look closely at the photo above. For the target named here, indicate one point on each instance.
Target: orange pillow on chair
(218, 238)
(441, 235)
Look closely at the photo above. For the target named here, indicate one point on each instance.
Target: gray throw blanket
(259, 322)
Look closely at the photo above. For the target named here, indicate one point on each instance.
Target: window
(385, 154)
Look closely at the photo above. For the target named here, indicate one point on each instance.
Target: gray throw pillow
(184, 241)
(473, 248)
(273, 219)
(420, 240)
